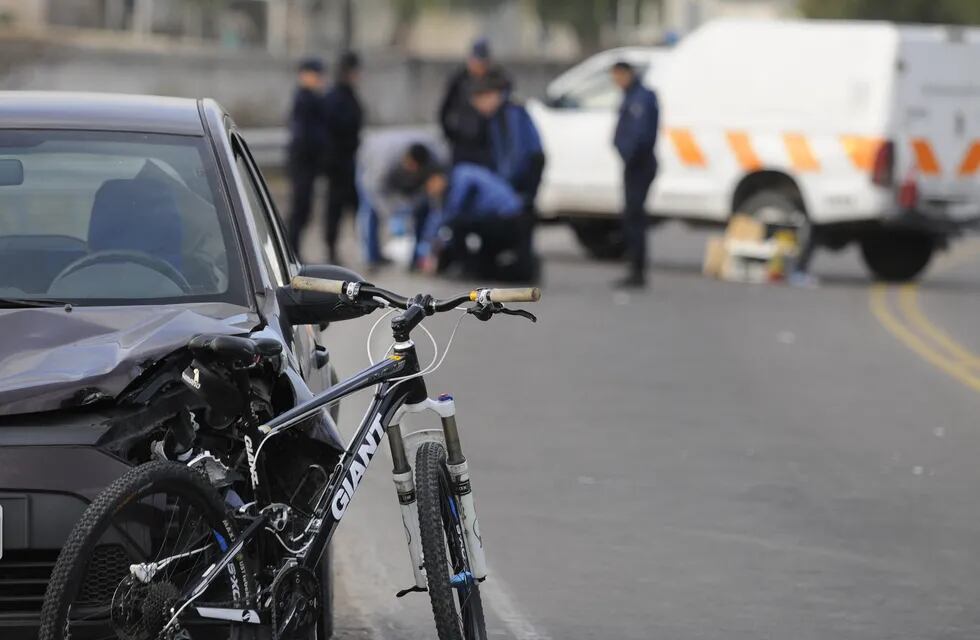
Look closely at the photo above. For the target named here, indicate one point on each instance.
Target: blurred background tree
(586, 17)
(945, 11)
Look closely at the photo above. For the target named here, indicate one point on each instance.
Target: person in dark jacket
(308, 144)
(515, 146)
(470, 200)
(635, 139)
(462, 125)
(344, 119)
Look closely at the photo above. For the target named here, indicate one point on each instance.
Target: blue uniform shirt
(636, 131)
(473, 192)
(514, 143)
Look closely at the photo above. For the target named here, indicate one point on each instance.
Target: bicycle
(237, 569)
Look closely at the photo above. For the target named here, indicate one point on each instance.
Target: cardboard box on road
(742, 255)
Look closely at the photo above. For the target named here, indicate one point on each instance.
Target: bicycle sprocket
(295, 603)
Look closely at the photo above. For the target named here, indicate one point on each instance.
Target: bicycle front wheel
(144, 541)
(459, 615)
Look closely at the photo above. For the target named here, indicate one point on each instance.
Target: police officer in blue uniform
(308, 144)
(515, 146)
(635, 138)
(462, 125)
(471, 200)
(344, 118)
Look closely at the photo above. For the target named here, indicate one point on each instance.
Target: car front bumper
(43, 491)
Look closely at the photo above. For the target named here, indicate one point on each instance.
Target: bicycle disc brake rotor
(295, 603)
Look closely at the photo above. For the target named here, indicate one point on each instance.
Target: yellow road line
(879, 307)
(908, 300)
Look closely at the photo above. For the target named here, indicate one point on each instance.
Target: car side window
(257, 209)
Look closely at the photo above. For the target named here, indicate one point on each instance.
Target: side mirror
(561, 102)
(553, 102)
(312, 307)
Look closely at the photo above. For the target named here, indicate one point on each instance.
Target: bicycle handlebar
(321, 285)
(529, 294)
(480, 296)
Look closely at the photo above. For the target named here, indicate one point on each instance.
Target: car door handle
(321, 357)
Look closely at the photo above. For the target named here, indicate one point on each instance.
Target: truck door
(938, 122)
(582, 171)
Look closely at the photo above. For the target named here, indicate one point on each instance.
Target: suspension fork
(401, 474)
(461, 487)
(459, 472)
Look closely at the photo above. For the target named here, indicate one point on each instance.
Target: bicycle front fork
(459, 474)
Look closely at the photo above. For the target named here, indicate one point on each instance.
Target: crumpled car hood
(53, 359)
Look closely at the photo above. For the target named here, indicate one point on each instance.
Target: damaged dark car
(135, 234)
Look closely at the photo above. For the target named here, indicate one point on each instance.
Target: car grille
(24, 576)
(108, 566)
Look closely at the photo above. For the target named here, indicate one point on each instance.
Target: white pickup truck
(868, 130)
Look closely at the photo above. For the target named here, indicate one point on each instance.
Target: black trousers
(302, 176)
(636, 184)
(497, 236)
(341, 197)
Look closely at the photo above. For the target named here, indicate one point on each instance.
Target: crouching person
(476, 223)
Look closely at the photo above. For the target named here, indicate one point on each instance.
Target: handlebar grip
(322, 285)
(529, 294)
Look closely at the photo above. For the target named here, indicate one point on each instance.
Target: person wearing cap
(475, 220)
(344, 119)
(635, 139)
(390, 165)
(515, 146)
(462, 126)
(308, 144)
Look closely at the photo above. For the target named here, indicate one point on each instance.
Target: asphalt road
(702, 460)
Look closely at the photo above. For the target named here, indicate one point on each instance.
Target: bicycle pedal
(412, 589)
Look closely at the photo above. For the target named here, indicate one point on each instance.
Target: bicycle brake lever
(485, 312)
(519, 312)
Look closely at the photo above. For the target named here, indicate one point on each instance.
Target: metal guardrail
(268, 144)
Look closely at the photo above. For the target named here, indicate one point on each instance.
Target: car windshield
(114, 218)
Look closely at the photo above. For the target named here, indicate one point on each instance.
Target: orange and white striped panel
(971, 162)
(800, 153)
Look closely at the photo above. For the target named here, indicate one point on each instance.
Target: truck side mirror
(560, 102)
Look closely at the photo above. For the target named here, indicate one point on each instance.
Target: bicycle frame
(394, 397)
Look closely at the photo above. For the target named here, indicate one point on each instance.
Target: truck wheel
(602, 239)
(775, 209)
(897, 256)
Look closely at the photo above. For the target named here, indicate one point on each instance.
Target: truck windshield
(100, 218)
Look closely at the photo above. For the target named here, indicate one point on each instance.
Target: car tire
(601, 239)
(897, 256)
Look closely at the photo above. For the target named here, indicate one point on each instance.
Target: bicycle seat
(233, 350)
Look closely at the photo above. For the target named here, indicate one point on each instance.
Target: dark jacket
(308, 137)
(344, 119)
(463, 126)
(515, 147)
(636, 131)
